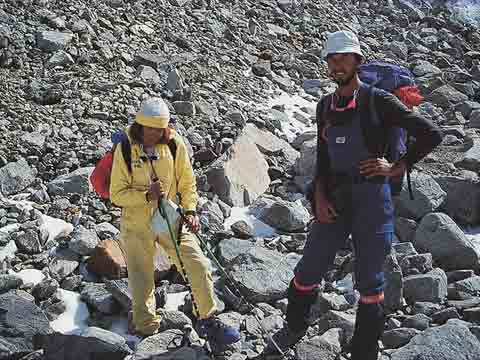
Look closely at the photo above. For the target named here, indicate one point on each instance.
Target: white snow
(74, 319)
(292, 105)
(52, 228)
(174, 301)
(260, 229)
(29, 276)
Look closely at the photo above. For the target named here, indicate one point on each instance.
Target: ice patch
(174, 301)
(260, 229)
(74, 319)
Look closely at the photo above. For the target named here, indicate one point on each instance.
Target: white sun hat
(341, 42)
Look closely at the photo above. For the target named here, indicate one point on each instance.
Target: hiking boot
(214, 330)
(285, 338)
(132, 329)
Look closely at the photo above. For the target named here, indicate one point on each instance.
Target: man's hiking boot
(214, 330)
(285, 338)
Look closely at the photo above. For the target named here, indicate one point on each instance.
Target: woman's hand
(193, 223)
(381, 167)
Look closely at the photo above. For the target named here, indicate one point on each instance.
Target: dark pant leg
(323, 242)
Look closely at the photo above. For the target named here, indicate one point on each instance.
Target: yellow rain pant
(140, 249)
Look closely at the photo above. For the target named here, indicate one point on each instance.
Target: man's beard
(344, 81)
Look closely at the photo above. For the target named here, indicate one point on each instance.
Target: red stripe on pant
(372, 299)
(303, 288)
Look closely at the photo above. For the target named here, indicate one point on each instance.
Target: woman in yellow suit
(156, 174)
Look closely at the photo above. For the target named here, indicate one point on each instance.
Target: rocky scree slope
(72, 72)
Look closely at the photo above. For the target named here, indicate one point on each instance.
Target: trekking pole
(177, 251)
(232, 283)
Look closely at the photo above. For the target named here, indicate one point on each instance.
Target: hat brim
(346, 50)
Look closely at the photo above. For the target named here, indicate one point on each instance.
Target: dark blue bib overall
(369, 216)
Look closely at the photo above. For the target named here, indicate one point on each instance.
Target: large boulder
(427, 197)
(262, 275)
(77, 182)
(108, 260)
(84, 241)
(306, 163)
(445, 96)
(241, 174)
(463, 197)
(20, 320)
(471, 158)
(16, 176)
(450, 341)
(439, 235)
(270, 144)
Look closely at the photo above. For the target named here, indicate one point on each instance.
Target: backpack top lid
(386, 76)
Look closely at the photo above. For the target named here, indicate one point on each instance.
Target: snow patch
(175, 300)
(260, 229)
(29, 276)
(52, 228)
(74, 319)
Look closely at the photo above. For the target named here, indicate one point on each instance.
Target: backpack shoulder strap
(172, 145)
(127, 153)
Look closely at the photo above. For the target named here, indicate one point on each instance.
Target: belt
(343, 178)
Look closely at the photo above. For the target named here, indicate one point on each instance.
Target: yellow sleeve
(187, 183)
(121, 191)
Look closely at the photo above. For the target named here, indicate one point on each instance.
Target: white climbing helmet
(341, 42)
(153, 113)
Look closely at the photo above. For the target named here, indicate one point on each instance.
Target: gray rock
(445, 96)
(83, 241)
(326, 302)
(439, 235)
(442, 316)
(463, 197)
(472, 315)
(400, 49)
(148, 74)
(306, 163)
(242, 230)
(405, 229)
(325, 347)
(404, 249)
(262, 68)
(475, 119)
(60, 58)
(16, 176)
(16, 329)
(430, 287)
(393, 339)
(97, 296)
(173, 320)
(418, 321)
(428, 196)
(426, 308)
(286, 216)
(64, 263)
(446, 342)
(93, 343)
(229, 249)
(470, 286)
(337, 319)
(121, 292)
(106, 230)
(467, 107)
(262, 275)
(211, 216)
(394, 283)
(51, 41)
(28, 241)
(45, 289)
(184, 108)
(458, 275)
(423, 68)
(156, 344)
(416, 264)
(76, 182)
(9, 282)
(471, 159)
(34, 139)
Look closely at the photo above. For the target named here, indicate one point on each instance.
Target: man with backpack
(352, 193)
